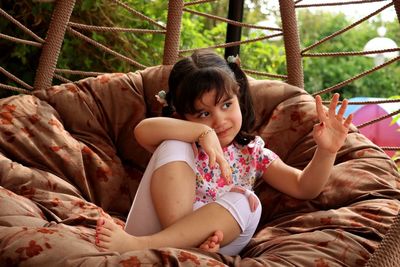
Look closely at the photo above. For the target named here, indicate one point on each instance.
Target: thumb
(318, 128)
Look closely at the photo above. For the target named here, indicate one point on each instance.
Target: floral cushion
(68, 157)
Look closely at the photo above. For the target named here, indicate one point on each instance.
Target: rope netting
(61, 24)
(388, 252)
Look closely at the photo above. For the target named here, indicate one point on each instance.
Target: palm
(332, 131)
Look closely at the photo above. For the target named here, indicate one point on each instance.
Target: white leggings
(143, 219)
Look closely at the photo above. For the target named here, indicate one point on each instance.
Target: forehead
(209, 99)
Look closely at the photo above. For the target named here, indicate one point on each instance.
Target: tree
(197, 32)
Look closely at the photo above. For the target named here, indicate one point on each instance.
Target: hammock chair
(68, 157)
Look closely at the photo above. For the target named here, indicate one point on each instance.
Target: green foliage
(198, 32)
(324, 72)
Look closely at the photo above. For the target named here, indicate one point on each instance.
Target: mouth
(223, 133)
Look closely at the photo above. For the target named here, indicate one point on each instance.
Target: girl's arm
(152, 132)
(329, 136)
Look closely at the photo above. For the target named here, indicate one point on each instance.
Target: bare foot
(212, 244)
(110, 236)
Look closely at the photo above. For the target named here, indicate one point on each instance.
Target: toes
(101, 231)
(204, 246)
(100, 222)
(220, 235)
(111, 225)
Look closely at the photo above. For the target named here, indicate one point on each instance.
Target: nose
(218, 121)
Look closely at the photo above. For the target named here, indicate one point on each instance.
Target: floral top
(248, 163)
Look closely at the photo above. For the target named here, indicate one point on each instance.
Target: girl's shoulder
(257, 142)
(254, 145)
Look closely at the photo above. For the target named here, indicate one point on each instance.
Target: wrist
(326, 152)
(204, 134)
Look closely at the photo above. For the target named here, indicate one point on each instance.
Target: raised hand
(211, 145)
(332, 130)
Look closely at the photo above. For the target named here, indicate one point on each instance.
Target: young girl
(201, 195)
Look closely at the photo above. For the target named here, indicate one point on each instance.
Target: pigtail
(164, 98)
(168, 110)
(245, 100)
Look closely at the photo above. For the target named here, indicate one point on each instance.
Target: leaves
(199, 32)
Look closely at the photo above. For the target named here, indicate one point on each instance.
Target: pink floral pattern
(247, 163)
(68, 157)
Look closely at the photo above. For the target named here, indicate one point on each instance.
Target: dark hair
(197, 74)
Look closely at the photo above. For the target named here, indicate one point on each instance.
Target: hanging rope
(337, 3)
(14, 78)
(347, 28)
(111, 29)
(105, 48)
(341, 84)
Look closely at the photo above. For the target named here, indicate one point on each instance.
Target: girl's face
(224, 117)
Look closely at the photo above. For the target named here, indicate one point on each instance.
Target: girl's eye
(226, 105)
(204, 114)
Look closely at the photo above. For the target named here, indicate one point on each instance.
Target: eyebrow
(224, 99)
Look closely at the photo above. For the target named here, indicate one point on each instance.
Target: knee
(175, 145)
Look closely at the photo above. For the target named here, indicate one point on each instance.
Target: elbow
(140, 131)
(308, 194)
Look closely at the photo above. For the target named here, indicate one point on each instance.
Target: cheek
(238, 117)
(199, 120)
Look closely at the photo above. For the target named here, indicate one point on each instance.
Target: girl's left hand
(253, 201)
(332, 130)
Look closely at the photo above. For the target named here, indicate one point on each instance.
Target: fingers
(347, 122)
(237, 189)
(342, 109)
(333, 105)
(322, 115)
(212, 158)
(253, 202)
(320, 109)
(226, 171)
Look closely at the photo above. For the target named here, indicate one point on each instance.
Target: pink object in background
(383, 132)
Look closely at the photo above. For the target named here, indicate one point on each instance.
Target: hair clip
(233, 59)
(162, 98)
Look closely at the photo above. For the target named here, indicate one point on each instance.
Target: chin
(225, 142)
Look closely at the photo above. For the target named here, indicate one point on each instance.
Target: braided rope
(343, 83)
(397, 8)
(232, 22)
(18, 40)
(111, 29)
(105, 48)
(15, 89)
(61, 78)
(78, 72)
(338, 3)
(380, 101)
(390, 148)
(346, 28)
(230, 44)
(292, 43)
(199, 2)
(14, 78)
(283, 77)
(379, 119)
(19, 25)
(138, 14)
(388, 252)
(351, 53)
(174, 20)
(51, 48)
